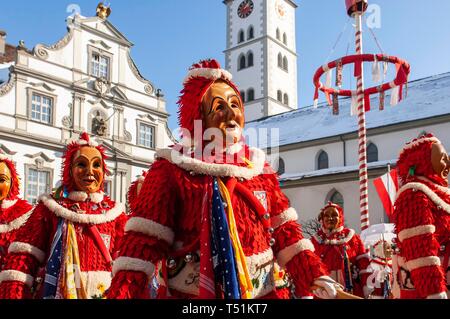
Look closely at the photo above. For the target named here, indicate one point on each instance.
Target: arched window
(279, 96)
(372, 153)
(249, 59)
(281, 166)
(250, 95)
(280, 60)
(242, 95)
(278, 34)
(322, 160)
(241, 62)
(241, 36)
(285, 63)
(286, 99)
(284, 38)
(337, 198)
(250, 33)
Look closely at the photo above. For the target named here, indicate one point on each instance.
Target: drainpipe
(344, 148)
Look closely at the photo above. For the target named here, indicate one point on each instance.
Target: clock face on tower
(245, 9)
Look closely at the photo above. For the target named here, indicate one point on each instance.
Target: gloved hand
(441, 295)
(326, 287)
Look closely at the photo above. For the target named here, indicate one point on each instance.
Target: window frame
(241, 58)
(138, 134)
(371, 144)
(38, 169)
(252, 95)
(52, 97)
(241, 36)
(250, 59)
(250, 32)
(94, 50)
(318, 160)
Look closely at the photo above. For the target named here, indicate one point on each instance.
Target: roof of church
(426, 98)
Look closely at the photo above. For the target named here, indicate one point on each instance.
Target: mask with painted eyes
(222, 109)
(440, 160)
(87, 170)
(5, 181)
(330, 218)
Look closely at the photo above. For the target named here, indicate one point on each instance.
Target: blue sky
(170, 35)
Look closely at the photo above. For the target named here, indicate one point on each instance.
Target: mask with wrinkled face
(5, 181)
(87, 170)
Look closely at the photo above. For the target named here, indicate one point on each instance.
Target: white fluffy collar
(336, 230)
(340, 241)
(16, 223)
(435, 198)
(257, 157)
(8, 203)
(78, 196)
(80, 217)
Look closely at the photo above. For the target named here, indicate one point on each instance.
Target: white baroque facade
(87, 81)
(261, 54)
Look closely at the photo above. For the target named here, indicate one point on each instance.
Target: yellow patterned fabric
(71, 284)
(243, 273)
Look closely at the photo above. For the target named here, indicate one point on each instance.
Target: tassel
(394, 96)
(354, 105)
(335, 104)
(339, 73)
(375, 70)
(316, 97)
(366, 102)
(329, 75)
(327, 96)
(400, 93)
(385, 69)
(382, 96)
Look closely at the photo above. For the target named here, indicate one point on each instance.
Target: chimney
(2, 42)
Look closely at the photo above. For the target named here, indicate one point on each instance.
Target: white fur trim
(288, 215)
(441, 295)
(84, 143)
(416, 231)
(8, 203)
(3, 157)
(78, 196)
(209, 73)
(418, 142)
(423, 262)
(19, 247)
(67, 214)
(150, 228)
(132, 264)
(286, 254)
(213, 169)
(427, 191)
(344, 240)
(366, 255)
(16, 223)
(15, 275)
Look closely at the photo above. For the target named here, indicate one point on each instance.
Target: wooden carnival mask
(330, 218)
(87, 170)
(5, 181)
(222, 108)
(440, 160)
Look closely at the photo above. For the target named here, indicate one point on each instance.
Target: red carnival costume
(343, 253)
(73, 234)
(170, 226)
(422, 218)
(380, 281)
(14, 212)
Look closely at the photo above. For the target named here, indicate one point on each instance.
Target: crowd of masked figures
(216, 226)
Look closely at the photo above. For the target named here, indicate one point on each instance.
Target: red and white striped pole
(363, 178)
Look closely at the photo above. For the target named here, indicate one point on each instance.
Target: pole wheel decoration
(361, 96)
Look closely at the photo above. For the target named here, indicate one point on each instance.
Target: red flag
(387, 187)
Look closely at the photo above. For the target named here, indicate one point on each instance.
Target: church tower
(261, 54)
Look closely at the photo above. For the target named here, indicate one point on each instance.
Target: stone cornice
(69, 85)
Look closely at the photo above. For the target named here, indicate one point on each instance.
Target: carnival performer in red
(76, 231)
(380, 279)
(14, 212)
(214, 223)
(341, 250)
(422, 218)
